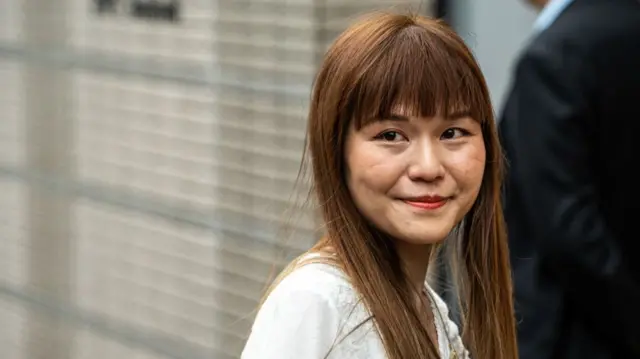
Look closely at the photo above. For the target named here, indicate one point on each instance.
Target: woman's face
(415, 178)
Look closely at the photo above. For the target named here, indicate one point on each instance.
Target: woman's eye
(453, 133)
(391, 136)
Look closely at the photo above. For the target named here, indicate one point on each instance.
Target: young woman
(404, 153)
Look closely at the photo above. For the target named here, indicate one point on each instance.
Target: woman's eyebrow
(397, 117)
(456, 115)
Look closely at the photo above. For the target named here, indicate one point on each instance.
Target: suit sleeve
(293, 323)
(552, 139)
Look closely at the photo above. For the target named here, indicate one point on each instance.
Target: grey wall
(496, 30)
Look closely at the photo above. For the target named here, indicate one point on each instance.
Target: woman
(404, 152)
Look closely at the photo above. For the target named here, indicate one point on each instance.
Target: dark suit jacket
(571, 132)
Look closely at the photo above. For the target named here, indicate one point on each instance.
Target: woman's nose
(425, 164)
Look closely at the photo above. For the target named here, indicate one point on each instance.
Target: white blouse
(312, 313)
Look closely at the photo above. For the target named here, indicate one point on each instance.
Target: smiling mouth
(427, 203)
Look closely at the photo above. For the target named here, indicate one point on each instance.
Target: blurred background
(148, 151)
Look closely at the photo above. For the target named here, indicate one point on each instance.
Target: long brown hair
(381, 61)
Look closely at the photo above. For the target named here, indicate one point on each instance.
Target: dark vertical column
(441, 9)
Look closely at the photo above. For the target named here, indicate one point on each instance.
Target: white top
(311, 312)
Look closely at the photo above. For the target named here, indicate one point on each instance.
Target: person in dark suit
(571, 131)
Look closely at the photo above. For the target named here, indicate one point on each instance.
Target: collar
(550, 13)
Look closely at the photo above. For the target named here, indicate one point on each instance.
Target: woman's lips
(428, 203)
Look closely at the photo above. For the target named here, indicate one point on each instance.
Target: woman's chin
(424, 237)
